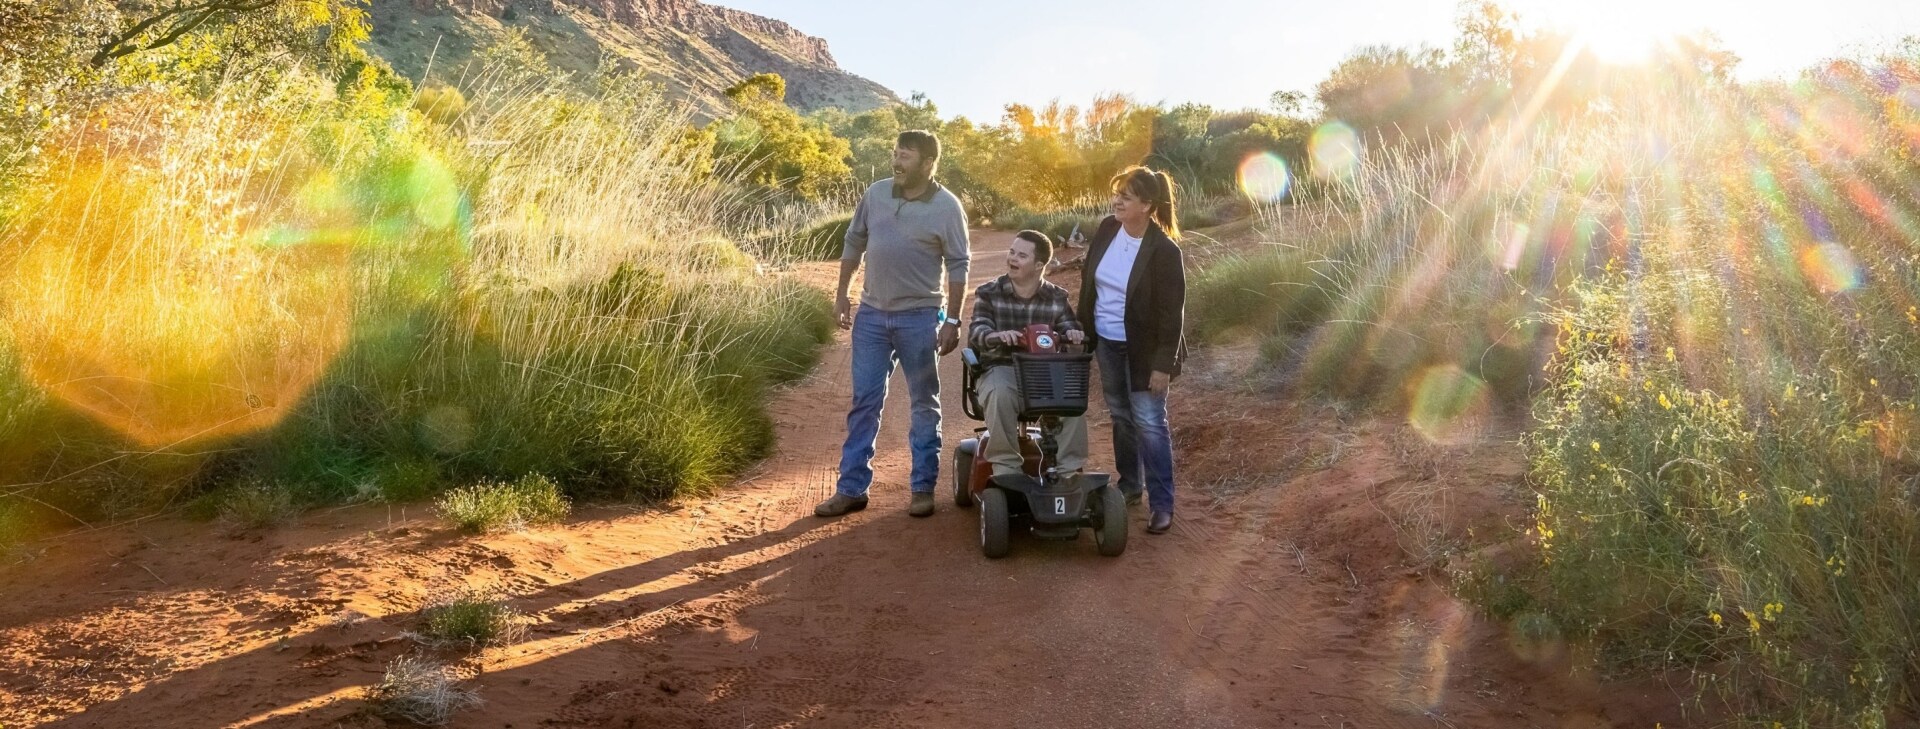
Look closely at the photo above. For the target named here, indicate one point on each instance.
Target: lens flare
(1446, 404)
(1510, 244)
(1831, 267)
(171, 335)
(434, 192)
(175, 314)
(1264, 177)
(1335, 151)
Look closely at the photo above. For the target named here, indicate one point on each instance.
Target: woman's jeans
(880, 338)
(1141, 441)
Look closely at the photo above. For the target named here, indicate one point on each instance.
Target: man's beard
(912, 177)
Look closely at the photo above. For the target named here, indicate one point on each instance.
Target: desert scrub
(252, 506)
(1758, 517)
(497, 507)
(419, 690)
(1057, 224)
(470, 618)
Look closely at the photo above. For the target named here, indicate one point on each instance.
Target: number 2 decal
(1059, 504)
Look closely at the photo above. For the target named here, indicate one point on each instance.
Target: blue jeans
(1141, 440)
(880, 338)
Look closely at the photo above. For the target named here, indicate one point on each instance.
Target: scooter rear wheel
(1110, 527)
(995, 524)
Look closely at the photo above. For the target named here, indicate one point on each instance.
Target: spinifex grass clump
(1059, 224)
(495, 507)
(253, 506)
(470, 618)
(420, 690)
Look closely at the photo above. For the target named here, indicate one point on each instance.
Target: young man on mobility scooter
(1032, 395)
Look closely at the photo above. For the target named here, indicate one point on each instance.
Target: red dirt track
(1288, 594)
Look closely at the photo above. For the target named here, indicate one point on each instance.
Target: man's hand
(1075, 336)
(1157, 383)
(843, 311)
(1010, 337)
(949, 338)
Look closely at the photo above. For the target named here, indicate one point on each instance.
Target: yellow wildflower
(1669, 354)
(1716, 618)
(1664, 402)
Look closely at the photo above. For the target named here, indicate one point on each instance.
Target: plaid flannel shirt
(996, 307)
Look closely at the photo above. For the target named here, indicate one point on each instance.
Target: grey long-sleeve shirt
(907, 244)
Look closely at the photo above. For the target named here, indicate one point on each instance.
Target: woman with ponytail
(1133, 296)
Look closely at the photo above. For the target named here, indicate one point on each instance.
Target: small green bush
(17, 525)
(407, 480)
(494, 507)
(255, 505)
(1267, 293)
(824, 240)
(470, 618)
(1058, 224)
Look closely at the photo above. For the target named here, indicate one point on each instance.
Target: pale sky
(972, 57)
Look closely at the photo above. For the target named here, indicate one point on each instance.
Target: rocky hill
(694, 49)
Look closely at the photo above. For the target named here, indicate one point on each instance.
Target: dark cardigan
(1156, 308)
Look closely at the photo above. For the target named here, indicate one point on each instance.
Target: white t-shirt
(1110, 302)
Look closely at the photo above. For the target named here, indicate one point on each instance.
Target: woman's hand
(1157, 383)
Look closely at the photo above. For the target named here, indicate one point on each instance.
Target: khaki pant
(999, 393)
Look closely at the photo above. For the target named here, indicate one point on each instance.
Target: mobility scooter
(1053, 384)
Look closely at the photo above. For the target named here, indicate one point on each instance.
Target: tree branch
(122, 44)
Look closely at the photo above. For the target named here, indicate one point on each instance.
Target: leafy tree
(146, 25)
(1392, 93)
(1484, 52)
(775, 145)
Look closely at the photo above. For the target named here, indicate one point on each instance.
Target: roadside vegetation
(313, 283)
(1699, 293)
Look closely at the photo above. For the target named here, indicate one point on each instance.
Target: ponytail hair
(1154, 188)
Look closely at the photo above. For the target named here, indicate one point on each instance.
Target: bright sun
(1625, 31)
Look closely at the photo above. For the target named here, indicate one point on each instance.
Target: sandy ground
(1294, 590)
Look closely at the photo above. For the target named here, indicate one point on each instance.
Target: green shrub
(471, 619)
(496, 507)
(405, 480)
(1057, 224)
(1207, 211)
(1759, 518)
(1269, 293)
(17, 525)
(255, 505)
(823, 241)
